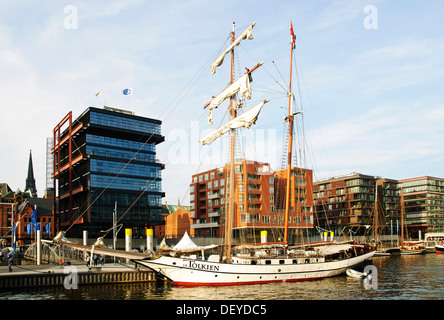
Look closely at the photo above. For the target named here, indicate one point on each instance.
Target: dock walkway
(51, 275)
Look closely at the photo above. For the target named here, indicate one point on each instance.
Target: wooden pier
(51, 275)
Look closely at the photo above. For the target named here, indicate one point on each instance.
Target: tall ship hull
(192, 272)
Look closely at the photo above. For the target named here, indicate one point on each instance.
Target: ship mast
(230, 215)
(402, 216)
(290, 118)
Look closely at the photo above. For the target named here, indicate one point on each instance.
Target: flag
(99, 93)
(47, 228)
(34, 220)
(293, 37)
(128, 92)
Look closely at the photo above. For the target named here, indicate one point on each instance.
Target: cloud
(341, 12)
(379, 140)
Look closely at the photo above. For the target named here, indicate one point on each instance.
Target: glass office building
(423, 202)
(107, 157)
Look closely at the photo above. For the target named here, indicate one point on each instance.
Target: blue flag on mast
(34, 220)
(128, 92)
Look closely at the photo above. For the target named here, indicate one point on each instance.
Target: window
(266, 219)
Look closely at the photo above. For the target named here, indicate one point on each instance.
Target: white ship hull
(191, 272)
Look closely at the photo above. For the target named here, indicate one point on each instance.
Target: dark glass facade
(118, 165)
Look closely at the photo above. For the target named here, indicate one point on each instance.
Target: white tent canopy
(185, 245)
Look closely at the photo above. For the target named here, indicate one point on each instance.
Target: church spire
(30, 181)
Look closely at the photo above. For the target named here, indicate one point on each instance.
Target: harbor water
(415, 277)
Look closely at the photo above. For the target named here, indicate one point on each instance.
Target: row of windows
(99, 181)
(130, 169)
(109, 198)
(266, 219)
(121, 143)
(124, 123)
(120, 154)
(142, 215)
(431, 188)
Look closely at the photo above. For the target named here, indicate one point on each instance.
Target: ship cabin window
(307, 260)
(295, 261)
(281, 261)
(253, 262)
(267, 261)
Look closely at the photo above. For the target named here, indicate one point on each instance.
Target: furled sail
(241, 85)
(244, 120)
(247, 34)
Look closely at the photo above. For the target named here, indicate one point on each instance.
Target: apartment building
(258, 204)
(345, 201)
(423, 202)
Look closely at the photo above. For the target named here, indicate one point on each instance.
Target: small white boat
(355, 274)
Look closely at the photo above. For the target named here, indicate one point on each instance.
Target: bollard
(128, 241)
(264, 236)
(149, 240)
(85, 243)
(38, 247)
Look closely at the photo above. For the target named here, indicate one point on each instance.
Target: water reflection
(401, 277)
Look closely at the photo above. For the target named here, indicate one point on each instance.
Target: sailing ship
(381, 249)
(408, 248)
(258, 263)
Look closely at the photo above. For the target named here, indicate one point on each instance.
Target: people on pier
(10, 261)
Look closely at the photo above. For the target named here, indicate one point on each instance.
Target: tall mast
(376, 216)
(290, 118)
(402, 216)
(230, 215)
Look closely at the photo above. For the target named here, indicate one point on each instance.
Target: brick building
(257, 204)
(16, 208)
(349, 201)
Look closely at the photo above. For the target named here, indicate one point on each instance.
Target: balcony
(205, 225)
(212, 196)
(212, 214)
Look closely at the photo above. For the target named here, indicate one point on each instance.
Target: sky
(368, 77)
